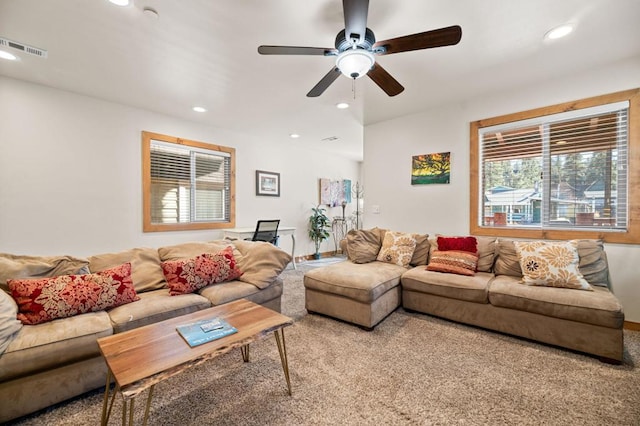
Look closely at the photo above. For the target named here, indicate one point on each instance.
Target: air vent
(4, 42)
(330, 139)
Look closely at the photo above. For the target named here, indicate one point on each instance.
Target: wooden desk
(138, 359)
(243, 233)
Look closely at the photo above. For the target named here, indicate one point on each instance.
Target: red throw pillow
(187, 276)
(453, 262)
(45, 299)
(469, 244)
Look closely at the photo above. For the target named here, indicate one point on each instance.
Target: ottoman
(362, 294)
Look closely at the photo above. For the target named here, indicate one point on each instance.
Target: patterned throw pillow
(552, 264)
(397, 248)
(187, 276)
(44, 299)
(454, 262)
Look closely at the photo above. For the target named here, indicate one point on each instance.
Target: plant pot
(316, 256)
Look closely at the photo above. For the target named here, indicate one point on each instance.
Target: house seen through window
(564, 169)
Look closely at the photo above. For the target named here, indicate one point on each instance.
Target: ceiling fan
(356, 48)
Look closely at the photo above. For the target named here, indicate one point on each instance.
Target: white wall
(390, 145)
(71, 183)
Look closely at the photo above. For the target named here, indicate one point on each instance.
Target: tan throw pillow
(421, 252)
(18, 266)
(397, 248)
(9, 324)
(260, 262)
(146, 271)
(551, 264)
(363, 245)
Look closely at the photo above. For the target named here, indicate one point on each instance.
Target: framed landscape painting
(431, 168)
(267, 183)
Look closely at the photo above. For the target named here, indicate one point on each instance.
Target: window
(566, 171)
(186, 184)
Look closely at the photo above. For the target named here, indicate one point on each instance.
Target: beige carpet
(412, 369)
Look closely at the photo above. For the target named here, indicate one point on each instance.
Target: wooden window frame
(148, 225)
(632, 234)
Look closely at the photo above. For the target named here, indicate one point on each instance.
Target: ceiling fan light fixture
(354, 63)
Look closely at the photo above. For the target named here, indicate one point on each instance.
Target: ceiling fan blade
(355, 19)
(326, 81)
(436, 38)
(386, 82)
(296, 50)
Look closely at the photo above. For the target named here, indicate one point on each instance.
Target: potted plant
(318, 225)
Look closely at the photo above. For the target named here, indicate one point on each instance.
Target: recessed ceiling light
(120, 2)
(294, 136)
(559, 32)
(7, 55)
(199, 109)
(342, 105)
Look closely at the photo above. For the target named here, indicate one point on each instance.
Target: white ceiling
(204, 52)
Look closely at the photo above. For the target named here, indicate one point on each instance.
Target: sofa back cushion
(14, 266)
(146, 272)
(192, 249)
(593, 261)
(260, 262)
(363, 245)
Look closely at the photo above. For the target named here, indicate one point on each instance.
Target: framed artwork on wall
(431, 168)
(267, 183)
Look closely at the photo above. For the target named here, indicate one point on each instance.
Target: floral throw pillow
(190, 275)
(45, 299)
(453, 262)
(552, 264)
(397, 248)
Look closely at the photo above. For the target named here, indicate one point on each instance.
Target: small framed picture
(267, 183)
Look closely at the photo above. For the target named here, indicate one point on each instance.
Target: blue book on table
(204, 331)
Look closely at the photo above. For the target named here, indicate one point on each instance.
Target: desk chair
(267, 230)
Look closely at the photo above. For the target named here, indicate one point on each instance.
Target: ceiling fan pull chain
(353, 88)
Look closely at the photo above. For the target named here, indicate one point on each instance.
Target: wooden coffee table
(140, 358)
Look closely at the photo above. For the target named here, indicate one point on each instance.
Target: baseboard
(322, 255)
(628, 325)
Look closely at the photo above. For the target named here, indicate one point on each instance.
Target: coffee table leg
(282, 348)
(146, 410)
(107, 389)
(245, 353)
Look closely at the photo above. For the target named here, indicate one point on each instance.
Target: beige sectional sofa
(493, 297)
(46, 363)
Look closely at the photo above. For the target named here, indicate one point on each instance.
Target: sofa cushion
(9, 324)
(461, 287)
(593, 261)
(260, 262)
(363, 245)
(192, 249)
(421, 252)
(222, 293)
(154, 306)
(18, 266)
(397, 248)
(552, 264)
(486, 251)
(49, 345)
(598, 307)
(189, 275)
(146, 272)
(364, 283)
(43, 299)
(454, 262)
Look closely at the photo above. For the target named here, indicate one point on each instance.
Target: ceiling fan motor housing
(342, 43)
